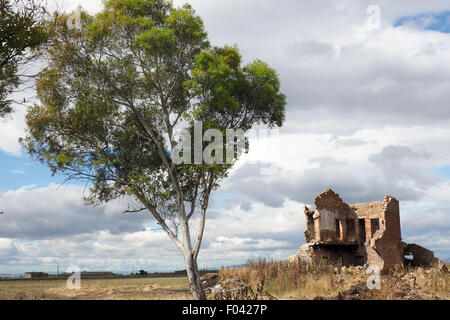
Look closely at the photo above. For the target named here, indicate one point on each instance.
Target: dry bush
(22, 295)
(299, 280)
(287, 279)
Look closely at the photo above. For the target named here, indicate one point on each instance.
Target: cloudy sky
(367, 115)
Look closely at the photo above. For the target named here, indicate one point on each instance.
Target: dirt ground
(284, 281)
(98, 289)
(244, 284)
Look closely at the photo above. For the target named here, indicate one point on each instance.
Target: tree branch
(159, 220)
(208, 189)
(135, 211)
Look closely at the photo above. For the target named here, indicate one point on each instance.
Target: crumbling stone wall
(382, 232)
(420, 255)
(328, 221)
(357, 234)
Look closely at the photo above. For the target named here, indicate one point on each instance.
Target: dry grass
(98, 289)
(259, 279)
(285, 280)
(297, 280)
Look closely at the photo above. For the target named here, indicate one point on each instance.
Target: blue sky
(445, 171)
(22, 171)
(436, 21)
(367, 115)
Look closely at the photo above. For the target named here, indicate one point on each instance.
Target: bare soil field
(98, 289)
(259, 280)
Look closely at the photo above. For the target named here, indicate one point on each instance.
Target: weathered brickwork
(368, 233)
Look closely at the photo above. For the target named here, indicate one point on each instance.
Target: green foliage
(21, 29)
(141, 62)
(233, 96)
(114, 93)
(143, 272)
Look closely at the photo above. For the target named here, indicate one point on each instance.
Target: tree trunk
(194, 277)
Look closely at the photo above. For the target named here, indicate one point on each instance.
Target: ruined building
(358, 234)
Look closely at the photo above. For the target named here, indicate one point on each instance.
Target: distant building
(88, 274)
(35, 275)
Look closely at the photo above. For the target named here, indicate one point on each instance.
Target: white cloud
(227, 239)
(58, 211)
(363, 106)
(11, 129)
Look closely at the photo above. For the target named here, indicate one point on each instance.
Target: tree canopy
(22, 27)
(114, 93)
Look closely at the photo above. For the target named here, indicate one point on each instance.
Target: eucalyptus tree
(22, 29)
(114, 94)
